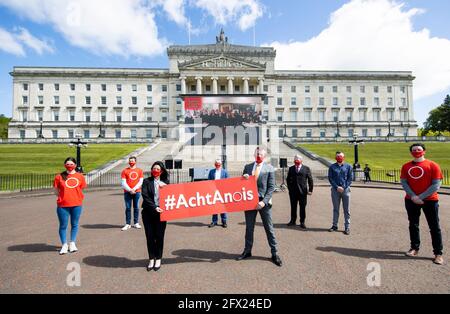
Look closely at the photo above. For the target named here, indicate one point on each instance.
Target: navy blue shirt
(340, 175)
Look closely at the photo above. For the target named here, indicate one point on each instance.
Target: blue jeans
(336, 198)
(215, 218)
(63, 215)
(131, 199)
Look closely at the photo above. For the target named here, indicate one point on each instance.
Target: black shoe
(347, 232)
(156, 268)
(224, 225)
(277, 260)
(291, 223)
(302, 226)
(244, 256)
(333, 229)
(212, 225)
(150, 268)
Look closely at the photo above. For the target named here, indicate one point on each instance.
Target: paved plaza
(202, 260)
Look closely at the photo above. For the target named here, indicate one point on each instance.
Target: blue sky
(35, 36)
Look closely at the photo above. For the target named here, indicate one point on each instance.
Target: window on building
(193, 88)
(72, 100)
(103, 87)
(321, 115)
(404, 104)
(376, 89)
(119, 87)
(119, 100)
(149, 87)
(377, 115)
(87, 115)
(266, 88)
(134, 88)
(87, 133)
(377, 132)
(179, 115)
(323, 133)
(41, 86)
(164, 88)
(404, 115)
(349, 101)
(24, 115)
(335, 89)
(390, 115)
(237, 88)
(25, 86)
(178, 87)
(363, 115)
(293, 89)
(56, 100)
(148, 133)
(349, 89)
(308, 102)
(72, 87)
(71, 133)
(88, 87)
(362, 89)
(364, 132)
(55, 115)
(118, 134)
(279, 101)
(164, 116)
(103, 100)
(54, 134)
(308, 115)
(335, 101)
(266, 115)
(389, 89)
(321, 89)
(208, 88)
(133, 133)
(280, 133)
(251, 88)
(40, 115)
(349, 115)
(335, 115)
(279, 116)
(350, 132)
(134, 115)
(308, 133)
(118, 116)
(293, 115)
(57, 87)
(223, 88)
(24, 100)
(164, 101)
(307, 89)
(72, 115)
(362, 101)
(149, 100)
(294, 133)
(134, 100)
(390, 102)
(403, 89)
(293, 101)
(22, 134)
(103, 115)
(148, 116)
(279, 89)
(88, 100)
(321, 101)
(376, 102)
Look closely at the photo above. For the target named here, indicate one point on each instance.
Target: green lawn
(49, 158)
(387, 156)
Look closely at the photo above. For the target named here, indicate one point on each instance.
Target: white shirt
(297, 169)
(156, 185)
(218, 174)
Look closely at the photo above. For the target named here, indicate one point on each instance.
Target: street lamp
(158, 135)
(356, 142)
(337, 129)
(285, 130)
(389, 127)
(100, 135)
(41, 135)
(79, 144)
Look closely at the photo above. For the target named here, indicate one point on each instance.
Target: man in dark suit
(265, 177)
(218, 174)
(300, 185)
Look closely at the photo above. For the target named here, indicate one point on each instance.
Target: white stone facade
(131, 103)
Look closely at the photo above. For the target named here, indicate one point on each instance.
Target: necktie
(257, 170)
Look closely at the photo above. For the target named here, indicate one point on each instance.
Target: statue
(221, 39)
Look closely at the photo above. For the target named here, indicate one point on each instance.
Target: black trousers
(367, 177)
(154, 232)
(431, 211)
(296, 200)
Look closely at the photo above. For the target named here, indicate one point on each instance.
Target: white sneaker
(137, 226)
(72, 247)
(64, 249)
(126, 227)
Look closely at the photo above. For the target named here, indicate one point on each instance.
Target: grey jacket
(266, 181)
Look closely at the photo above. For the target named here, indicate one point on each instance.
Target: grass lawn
(49, 158)
(387, 156)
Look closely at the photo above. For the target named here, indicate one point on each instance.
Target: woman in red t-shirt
(68, 186)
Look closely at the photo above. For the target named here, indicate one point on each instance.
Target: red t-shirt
(420, 176)
(70, 191)
(132, 176)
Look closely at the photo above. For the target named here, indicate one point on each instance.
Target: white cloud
(120, 27)
(10, 44)
(244, 12)
(14, 42)
(373, 35)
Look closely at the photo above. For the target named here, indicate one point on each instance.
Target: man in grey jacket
(265, 177)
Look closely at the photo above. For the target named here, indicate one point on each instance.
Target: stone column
(199, 85)
(215, 88)
(230, 85)
(260, 85)
(246, 88)
(183, 85)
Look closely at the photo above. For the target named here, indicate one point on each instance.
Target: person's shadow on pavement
(392, 255)
(33, 248)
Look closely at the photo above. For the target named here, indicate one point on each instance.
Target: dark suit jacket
(301, 182)
(212, 174)
(148, 193)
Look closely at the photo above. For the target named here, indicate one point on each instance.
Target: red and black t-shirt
(420, 176)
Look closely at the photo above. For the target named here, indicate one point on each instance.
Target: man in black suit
(300, 185)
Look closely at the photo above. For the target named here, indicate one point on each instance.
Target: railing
(32, 182)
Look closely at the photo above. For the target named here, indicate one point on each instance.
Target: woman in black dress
(154, 227)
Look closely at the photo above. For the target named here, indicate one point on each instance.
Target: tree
(4, 121)
(439, 118)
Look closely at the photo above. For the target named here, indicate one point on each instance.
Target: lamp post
(79, 144)
(41, 135)
(158, 135)
(337, 129)
(389, 130)
(356, 142)
(100, 135)
(285, 130)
